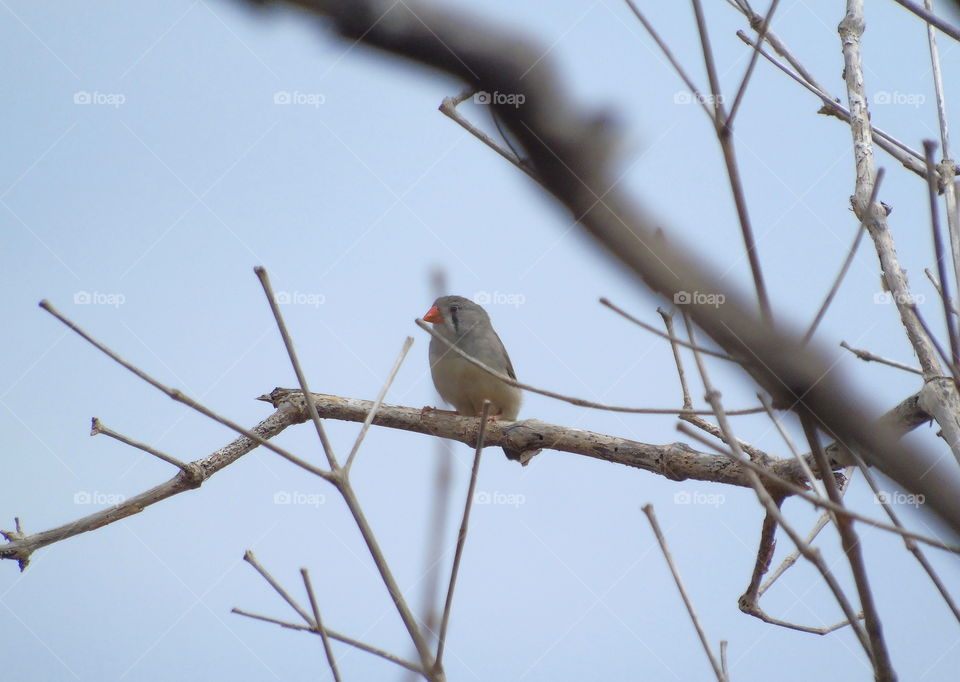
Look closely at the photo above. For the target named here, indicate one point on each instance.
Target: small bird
(460, 382)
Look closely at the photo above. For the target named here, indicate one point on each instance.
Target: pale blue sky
(150, 164)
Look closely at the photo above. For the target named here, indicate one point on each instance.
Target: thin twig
(791, 558)
(911, 545)
(949, 320)
(701, 100)
(817, 502)
(812, 554)
(954, 371)
(909, 158)
(741, 91)
(340, 478)
(714, 663)
(936, 285)
(319, 623)
(251, 559)
(846, 265)
(772, 503)
(650, 328)
(462, 535)
(756, 454)
(261, 273)
(449, 108)
(853, 549)
(409, 665)
(801, 460)
(948, 170)
(725, 137)
(379, 401)
(930, 18)
(565, 398)
(867, 356)
(678, 361)
(182, 398)
(97, 427)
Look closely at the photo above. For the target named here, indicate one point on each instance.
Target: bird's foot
(428, 408)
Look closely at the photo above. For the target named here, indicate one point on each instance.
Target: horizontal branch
(676, 461)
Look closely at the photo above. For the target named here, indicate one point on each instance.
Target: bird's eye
(454, 308)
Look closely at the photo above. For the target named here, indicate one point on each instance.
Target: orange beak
(433, 315)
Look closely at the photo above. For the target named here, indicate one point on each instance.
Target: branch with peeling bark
(676, 461)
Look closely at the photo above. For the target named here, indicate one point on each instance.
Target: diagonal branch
(572, 155)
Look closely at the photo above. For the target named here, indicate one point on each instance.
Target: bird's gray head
(456, 316)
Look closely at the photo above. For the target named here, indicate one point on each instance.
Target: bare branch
(672, 340)
(714, 663)
(337, 636)
(301, 377)
(949, 319)
(97, 427)
(843, 268)
(22, 547)
(559, 396)
(182, 398)
(571, 154)
(930, 18)
(376, 403)
(867, 356)
(322, 631)
(853, 549)
(462, 535)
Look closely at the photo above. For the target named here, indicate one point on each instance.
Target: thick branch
(676, 461)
